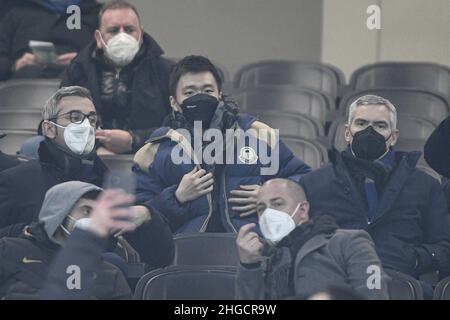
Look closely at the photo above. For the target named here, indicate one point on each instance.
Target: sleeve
(153, 193)
(437, 149)
(364, 270)
(153, 241)
(82, 249)
(434, 253)
(250, 284)
(68, 77)
(8, 205)
(6, 34)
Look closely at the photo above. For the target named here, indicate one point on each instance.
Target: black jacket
(146, 100)
(437, 149)
(410, 225)
(29, 269)
(7, 161)
(23, 188)
(31, 20)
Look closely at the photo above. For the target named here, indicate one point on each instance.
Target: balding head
(283, 195)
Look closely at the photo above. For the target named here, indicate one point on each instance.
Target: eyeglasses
(78, 117)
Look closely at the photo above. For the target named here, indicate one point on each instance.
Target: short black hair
(116, 4)
(192, 64)
(91, 195)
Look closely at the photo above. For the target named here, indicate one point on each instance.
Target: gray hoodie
(59, 202)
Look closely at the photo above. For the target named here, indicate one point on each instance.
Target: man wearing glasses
(67, 153)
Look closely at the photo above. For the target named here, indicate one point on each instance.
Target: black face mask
(200, 107)
(368, 144)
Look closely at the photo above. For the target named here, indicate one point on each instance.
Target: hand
(26, 60)
(249, 245)
(141, 216)
(246, 200)
(111, 213)
(193, 185)
(66, 58)
(117, 141)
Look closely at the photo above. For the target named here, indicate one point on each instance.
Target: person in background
(42, 20)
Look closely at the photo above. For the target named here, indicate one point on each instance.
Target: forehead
(119, 17)
(71, 103)
(197, 80)
(273, 191)
(84, 202)
(372, 113)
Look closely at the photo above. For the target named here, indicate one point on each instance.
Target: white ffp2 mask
(121, 49)
(79, 138)
(276, 224)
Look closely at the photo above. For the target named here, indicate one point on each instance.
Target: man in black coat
(67, 153)
(127, 76)
(42, 20)
(371, 186)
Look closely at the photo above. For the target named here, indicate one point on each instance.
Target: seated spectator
(299, 257)
(127, 76)
(215, 196)
(28, 263)
(67, 153)
(373, 187)
(42, 20)
(437, 149)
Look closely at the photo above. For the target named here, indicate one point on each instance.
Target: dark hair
(193, 64)
(91, 195)
(116, 4)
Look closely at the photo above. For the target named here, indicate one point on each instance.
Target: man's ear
(98, 39)
(220, 95)
(174, 104)
(49, 130)
(395, 135)
(347, 134)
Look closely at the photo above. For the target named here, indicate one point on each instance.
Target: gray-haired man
(371, 186)
(67, 153)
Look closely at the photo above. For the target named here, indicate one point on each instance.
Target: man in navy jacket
(193, 193)
(371, 186)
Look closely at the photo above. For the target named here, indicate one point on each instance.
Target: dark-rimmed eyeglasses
(78, 117)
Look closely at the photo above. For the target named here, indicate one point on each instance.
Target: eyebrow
(192, 86)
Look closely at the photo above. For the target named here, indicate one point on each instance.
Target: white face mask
(82, 223)
(121, 49)
(79, 138)
(276, 224)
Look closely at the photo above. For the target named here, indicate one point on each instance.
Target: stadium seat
(22, 119)
(292, 124)
(27, 93)
(206, 249)
(188, 283)
(412, 129)
(426, 76)
(420, 103)
(312, 153)
(321, 77)
(13, 141)
(293, 100)
(403, 286)
(442, 290)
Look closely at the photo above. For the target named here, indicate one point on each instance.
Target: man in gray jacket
(299, 257)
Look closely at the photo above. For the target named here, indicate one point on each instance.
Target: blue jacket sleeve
(152, 192)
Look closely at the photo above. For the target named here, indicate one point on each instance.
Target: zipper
(205, 223)
(226, 203)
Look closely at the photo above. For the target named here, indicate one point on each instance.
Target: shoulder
(348, 237)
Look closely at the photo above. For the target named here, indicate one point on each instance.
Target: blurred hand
(26, 60)
(66, 58)
(117, 141)
(193, 185)
(113, 213)
(249, 245)
(246, 199)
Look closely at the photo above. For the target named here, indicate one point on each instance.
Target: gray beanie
(59, 202)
